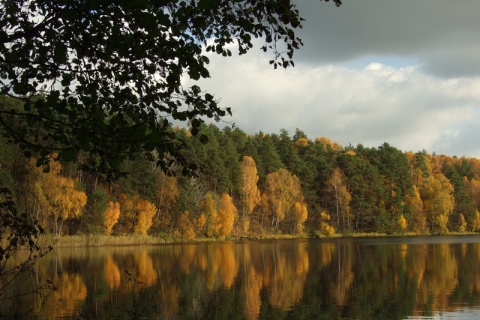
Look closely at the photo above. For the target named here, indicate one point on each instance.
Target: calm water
(374, 278)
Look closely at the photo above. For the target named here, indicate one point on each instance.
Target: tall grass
(104, 240)
(100, 240)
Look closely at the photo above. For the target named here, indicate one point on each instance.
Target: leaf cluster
(105, 77)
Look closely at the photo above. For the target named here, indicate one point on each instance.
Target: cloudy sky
(372, 71)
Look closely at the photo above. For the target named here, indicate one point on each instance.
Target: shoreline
(132, 240)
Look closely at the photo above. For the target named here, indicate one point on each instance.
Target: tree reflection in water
(335, 279)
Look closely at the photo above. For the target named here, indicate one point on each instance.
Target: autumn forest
(253, 186)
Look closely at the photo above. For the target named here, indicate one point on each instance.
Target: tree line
(252, 185)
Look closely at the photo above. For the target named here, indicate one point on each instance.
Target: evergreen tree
(288, 155)
(394, 169)
(268, 159)
(238, 138)
(464, 207)
(314, 181)
(231, 161)
(364, 185)
(140, 178)
(306, 168)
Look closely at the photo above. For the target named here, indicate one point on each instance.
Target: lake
(349, 278)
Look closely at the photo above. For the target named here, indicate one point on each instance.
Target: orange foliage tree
(111, 215)
(145, 211)
(227, 214)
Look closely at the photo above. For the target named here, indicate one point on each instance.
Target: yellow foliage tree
(300, 214)
(56, 195)
(200, 224)
(476, 222)
(263, 212)
(249, 190)
(327, 143)
(325, 228)
(111, 215)
(145, 211)
(66, 202)
(301, 143)
(185, 228)
(209, 209)
(342, 197)
(437, 195)
(282, 189)
(402, 223)
(415, 204)
(227, 214)
(441, 222)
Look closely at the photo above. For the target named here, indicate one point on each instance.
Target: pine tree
(269, 159)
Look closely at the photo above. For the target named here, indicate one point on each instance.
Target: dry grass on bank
(99, 240)
(104, 240)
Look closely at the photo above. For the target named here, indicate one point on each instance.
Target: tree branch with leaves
(106, 77)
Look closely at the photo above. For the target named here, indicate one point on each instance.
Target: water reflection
(415, 278)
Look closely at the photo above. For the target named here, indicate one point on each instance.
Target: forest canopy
(254, 186)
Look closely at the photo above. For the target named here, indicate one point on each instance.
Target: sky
(372, 71)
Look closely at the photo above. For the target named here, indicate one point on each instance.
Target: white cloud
(372, 71)
(403, 106)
